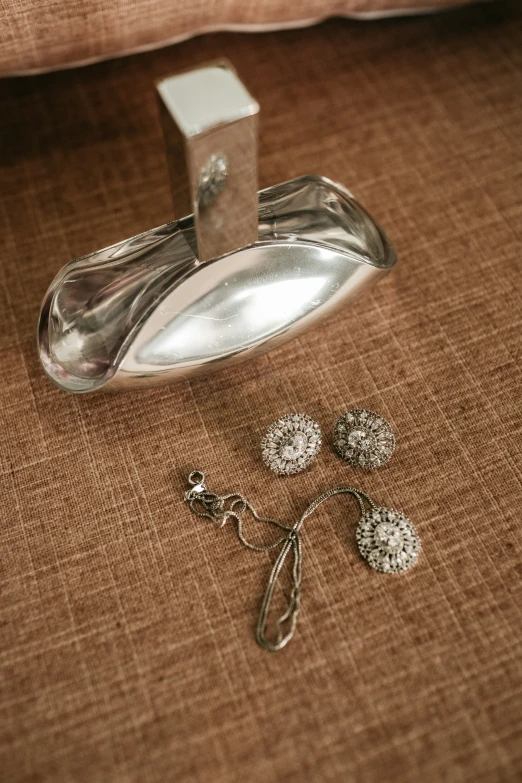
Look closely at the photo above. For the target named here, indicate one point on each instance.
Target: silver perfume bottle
(243, 272)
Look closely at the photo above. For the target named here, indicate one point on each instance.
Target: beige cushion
(40, 35)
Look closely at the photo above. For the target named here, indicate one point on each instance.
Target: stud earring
(291, 444)
(364, 439)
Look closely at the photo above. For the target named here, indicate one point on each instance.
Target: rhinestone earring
(364, 439)
(291, 444)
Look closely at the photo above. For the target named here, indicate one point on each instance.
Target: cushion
(47, 35)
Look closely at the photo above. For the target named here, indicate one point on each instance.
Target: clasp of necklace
(196, 480)
(208, 505)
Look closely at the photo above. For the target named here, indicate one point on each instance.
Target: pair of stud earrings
(361, 437)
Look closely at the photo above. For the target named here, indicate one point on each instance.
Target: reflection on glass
(227, 326)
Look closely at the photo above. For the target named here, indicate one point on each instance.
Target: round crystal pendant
(388, 540)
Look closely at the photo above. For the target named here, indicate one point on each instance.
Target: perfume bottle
(238, 273)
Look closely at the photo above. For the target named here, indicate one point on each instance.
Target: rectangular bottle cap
(210, 128)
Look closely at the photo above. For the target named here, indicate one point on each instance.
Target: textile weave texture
(127, 647)
(39, 35)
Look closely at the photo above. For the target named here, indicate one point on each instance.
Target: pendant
(387, 540)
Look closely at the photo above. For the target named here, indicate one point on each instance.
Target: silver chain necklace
(386, 539)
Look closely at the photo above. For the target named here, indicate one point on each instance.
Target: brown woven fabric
(38, 35)
(126, 624)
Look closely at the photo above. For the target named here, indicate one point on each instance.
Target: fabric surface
(127, 647)
(39, 35)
